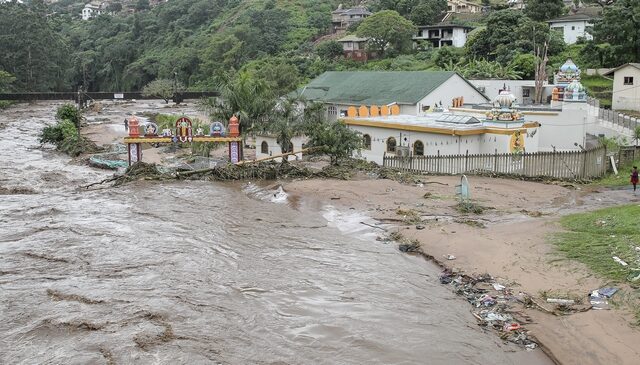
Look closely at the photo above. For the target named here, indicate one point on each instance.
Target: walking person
(634, 178)
(126, 124)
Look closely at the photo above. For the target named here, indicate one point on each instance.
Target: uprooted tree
(162, 88)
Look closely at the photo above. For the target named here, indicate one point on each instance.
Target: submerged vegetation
(65, 134)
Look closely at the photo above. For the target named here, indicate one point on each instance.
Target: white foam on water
(349, 222)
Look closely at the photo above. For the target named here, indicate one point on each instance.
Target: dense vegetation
(192, 42)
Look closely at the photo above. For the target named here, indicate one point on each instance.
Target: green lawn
(622, 179)
(598, 87)
(593, 238)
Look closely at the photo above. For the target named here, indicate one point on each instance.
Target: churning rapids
(204, 273)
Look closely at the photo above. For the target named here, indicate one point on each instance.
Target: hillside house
(92, 10)
(461, 6)
(442, 34)
(410, 92)
(341, 18)
(356, 48)
(573, 27)
(626, 87)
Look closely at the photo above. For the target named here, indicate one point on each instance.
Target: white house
(267, 146)
(91, 10)
(341, 18)
(412, 92)
(443, 34)
(572, 27)
(626, 87)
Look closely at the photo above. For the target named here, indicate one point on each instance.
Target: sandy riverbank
(512, 247)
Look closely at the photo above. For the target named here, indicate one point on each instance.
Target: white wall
(563, 129)
(454, 87)
(459, 37)
(492, 89)
(443, 143)
(626, 97)
(573, 30)
(274, 147)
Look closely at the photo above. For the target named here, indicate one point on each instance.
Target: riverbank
(510, 241)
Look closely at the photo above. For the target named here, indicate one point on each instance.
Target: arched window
(418, 148)
(366, 142)
(264, 147)
(391, 144)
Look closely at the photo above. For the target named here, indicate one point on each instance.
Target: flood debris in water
(17, 190)
(59, 296)
(146, 340)
(47, 257)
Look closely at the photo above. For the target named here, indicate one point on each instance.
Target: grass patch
(470, 207)
(622, 179)
(409, 216)
(594, 238)
(4, 104)
(598, 87)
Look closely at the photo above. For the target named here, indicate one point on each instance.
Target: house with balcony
(461, 6)
(341, 19)
(355, 48)
(443, 34)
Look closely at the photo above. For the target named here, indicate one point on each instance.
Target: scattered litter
(598, 298)
(612, 235)
(498, 287)
(561, 301)
(492, 316)
(634, 276)
(619, 260)
(637, 248)
(449, 257)
(607, 292)
(508, 327)
(419, 227)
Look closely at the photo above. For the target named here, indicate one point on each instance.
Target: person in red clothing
(634, 177)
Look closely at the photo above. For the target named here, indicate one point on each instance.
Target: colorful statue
(151, 130)
(504, 107)
(217, 129)
(183, 130)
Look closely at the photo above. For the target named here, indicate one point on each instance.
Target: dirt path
(513, 247)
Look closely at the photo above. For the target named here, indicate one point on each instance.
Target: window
(366, 142)
(332, 110)
(391, 145)
(573, 27)
(418, 148)
(526, 93)
(628, 80)
(264, 147)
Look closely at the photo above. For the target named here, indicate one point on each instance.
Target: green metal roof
(374, 87)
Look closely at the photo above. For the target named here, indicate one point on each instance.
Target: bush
(71, 113)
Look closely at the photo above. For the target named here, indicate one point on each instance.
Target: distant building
(341, 18)
(267, 146)
(440, 35)
(572, 27)
(356, 48)
(626, 87)
(92, 10)
(461, 6)
(516, 4)
(411, 92)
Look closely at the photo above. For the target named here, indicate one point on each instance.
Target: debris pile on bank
(492, 304)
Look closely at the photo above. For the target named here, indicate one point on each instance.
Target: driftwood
(372, 226)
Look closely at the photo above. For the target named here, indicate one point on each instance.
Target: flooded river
(205, 273)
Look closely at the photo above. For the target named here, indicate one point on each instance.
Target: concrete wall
(492, 89)
(274, 149)
(626, 97)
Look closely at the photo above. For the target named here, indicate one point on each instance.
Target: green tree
(541, 10)
(334, 139)
(286, 121)
(162, 88)
(280, 76)
(329, 50)
(387, 29)
(445, 56)
(242, 95)
(5, 80)
(524, 63)
(619, 26)
(421, 12)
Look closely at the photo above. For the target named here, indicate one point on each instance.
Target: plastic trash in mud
(561, 301)
(620, 261)
(498, 287)
(598, 298)
(508, 327)
(486, 300)
(449, 257)
(634, 276)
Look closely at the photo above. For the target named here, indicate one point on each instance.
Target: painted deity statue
(504, 107)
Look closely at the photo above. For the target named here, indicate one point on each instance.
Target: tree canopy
(619, 27)
(387, 29)
(541, 10)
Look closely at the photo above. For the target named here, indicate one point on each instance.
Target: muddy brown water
(206, 273)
